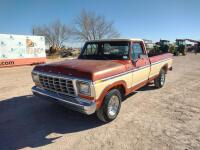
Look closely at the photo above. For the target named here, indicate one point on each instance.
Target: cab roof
(117, 40)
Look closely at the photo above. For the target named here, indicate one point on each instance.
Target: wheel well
(121, 88)
(165, 68)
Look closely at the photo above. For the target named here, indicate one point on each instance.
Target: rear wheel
(160, 80)
(111, 106)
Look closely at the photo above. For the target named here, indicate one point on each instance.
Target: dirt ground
(167, 118)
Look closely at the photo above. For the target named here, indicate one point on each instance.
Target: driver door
(141, 64)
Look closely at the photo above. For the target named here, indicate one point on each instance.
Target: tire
(106, 113)
(160, 80)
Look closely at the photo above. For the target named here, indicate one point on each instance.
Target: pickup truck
(103, 74)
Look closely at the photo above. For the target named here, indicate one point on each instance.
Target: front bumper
(75, 103)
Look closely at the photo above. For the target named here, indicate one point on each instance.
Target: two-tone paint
(104, 75)
(132, 79)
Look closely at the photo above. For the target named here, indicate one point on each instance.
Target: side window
(136, 50)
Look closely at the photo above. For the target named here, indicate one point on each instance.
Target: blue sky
(150, 19)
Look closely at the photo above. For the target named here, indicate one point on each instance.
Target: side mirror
(141, 56)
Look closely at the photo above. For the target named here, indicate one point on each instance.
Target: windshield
(105, 51)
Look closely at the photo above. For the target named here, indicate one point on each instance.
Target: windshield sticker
(125, 57)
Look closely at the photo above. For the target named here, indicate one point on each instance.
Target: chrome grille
(57, 84)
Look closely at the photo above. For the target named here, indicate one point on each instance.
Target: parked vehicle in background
(104, 73)
(161, 47)
(164, 46)
(196, 47)
(180, 47)
(149, 45)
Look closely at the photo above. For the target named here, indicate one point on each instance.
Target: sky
(149, 19)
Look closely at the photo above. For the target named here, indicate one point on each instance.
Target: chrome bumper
(75, 103)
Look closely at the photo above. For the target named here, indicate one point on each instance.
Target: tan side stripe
(124, 73)
(133, 70)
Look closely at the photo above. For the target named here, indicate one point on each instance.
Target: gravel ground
(167, 118)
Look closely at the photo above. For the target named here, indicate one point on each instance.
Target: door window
(136, 50)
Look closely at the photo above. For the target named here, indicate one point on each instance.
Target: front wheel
(160, 80)
(111, 106)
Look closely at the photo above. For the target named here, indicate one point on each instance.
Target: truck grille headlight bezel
(35, 77)
(83, 87)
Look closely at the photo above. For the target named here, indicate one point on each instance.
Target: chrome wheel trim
(162, 79)
(113, 105)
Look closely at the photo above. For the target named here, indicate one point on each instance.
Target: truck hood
(85, 69)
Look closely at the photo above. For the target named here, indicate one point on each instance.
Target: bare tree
(89, 26)
(55, 34)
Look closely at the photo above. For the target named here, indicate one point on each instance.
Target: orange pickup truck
(104, 73)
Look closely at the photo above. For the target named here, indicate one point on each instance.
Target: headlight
(83, 87)
(35, 77)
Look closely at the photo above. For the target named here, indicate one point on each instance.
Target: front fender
(117, 84)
